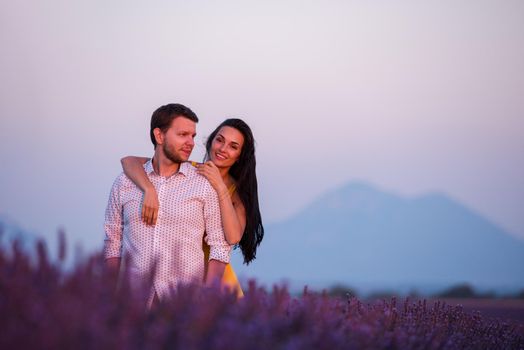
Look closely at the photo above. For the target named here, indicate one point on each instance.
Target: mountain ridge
(359, 233)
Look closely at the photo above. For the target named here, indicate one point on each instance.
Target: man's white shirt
(188, 207)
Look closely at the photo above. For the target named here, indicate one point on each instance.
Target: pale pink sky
(410, 96)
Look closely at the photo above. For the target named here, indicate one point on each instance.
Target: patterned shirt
(188, 207)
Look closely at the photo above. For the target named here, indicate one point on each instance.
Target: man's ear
(159, 136)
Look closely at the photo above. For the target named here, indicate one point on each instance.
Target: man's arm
(215, 271)
(113, 267)
(219, 249)
(113, 231)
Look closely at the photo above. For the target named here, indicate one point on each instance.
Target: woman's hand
(150, 206)
(211, 173)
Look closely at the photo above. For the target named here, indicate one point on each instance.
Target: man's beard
(175, 158)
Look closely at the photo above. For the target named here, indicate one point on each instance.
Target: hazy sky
(411, 96)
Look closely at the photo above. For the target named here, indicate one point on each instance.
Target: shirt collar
(184, 168)
(148, 166)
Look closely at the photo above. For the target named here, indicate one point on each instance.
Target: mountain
(359, 235)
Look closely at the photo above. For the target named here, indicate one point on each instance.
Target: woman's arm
(232, 211)
(233, 217)
(134, 170)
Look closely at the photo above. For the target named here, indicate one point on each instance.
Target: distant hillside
(360, 235)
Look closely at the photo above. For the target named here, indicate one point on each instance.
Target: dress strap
(232, 189)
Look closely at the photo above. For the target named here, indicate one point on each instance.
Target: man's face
(178, 140)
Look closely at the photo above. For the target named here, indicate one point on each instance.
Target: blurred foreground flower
(44, 306)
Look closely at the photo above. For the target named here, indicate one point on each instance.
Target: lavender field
(45, 306)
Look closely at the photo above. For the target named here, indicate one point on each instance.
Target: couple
(215, 202)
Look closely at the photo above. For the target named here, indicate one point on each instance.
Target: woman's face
(226, 147)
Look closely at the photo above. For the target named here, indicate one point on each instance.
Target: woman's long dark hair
(244, 174)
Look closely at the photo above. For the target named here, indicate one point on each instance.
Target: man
(189, 207)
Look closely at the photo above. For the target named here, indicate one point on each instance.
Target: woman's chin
(221, 163)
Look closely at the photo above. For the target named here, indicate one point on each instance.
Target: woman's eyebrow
(233, 142)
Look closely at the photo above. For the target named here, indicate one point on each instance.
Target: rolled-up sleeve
(219, 248)
(113, 224)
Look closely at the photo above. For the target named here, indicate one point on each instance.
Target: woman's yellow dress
(229, 279)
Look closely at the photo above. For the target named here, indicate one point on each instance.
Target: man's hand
(215, 271)
(113, 266)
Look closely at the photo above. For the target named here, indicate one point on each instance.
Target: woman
(230, 168)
